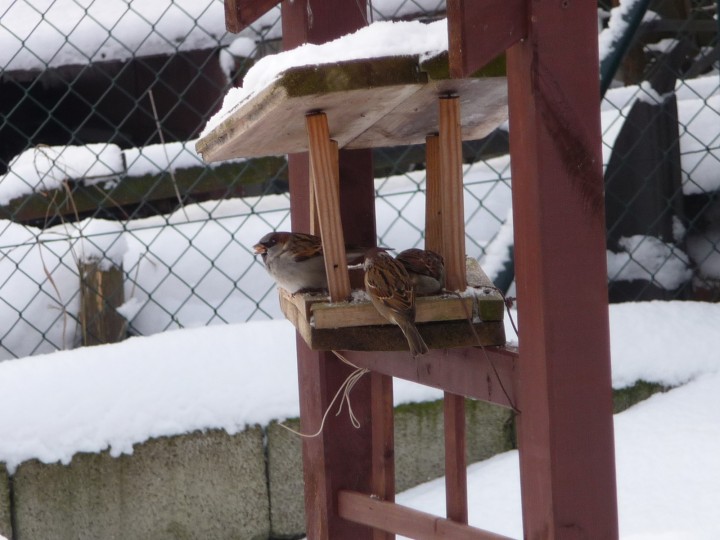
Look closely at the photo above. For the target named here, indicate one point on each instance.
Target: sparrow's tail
(414, 339)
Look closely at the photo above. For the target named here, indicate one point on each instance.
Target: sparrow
(391, 290)
(295, 260)
(426, 269)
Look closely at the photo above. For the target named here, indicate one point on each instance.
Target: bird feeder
(377, 102)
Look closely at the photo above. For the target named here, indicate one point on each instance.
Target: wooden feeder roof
(377, 102)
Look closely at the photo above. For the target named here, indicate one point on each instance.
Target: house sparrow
(426, 269)
(295, 260)
(391, 291)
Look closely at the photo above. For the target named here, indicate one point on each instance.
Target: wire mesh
(102, 102)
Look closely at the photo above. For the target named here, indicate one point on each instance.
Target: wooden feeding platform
(377, 102)
(443, 320)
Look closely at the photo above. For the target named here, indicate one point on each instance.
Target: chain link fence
(103, 195)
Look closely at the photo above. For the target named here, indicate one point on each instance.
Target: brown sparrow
(295, 260)
(426, 269)
(391, 291)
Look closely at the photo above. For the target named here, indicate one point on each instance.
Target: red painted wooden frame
(561, 379)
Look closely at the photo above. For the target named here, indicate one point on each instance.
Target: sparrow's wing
(389, 282)
(423, 262)
(306, 246)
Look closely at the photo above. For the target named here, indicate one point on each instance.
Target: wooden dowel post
(452, 207)
(314, 223)
(324, 172)
(314, 218)
(433, 195)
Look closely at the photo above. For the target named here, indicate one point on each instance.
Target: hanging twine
(345, 388)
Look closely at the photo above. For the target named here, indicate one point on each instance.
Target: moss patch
(640, 391)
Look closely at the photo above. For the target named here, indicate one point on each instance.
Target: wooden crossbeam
(487, 375)
(395, 518)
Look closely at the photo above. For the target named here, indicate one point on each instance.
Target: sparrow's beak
(260, 249)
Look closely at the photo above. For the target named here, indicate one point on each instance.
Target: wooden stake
(101, 291)
(324, 170)
(452, 209)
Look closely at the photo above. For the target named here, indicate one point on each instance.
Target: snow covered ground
(231, 376)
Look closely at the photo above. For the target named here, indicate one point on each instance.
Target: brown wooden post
(341, 457)
(101, 292)
(565, 428)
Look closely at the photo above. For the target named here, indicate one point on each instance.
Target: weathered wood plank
(370, 103)
(437, 335)
(435, 308)
(483, 101)
(354, 95)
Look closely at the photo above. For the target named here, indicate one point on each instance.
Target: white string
(345, 388)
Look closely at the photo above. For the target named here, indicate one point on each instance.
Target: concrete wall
(204, 486)
(213, 485)
(5, 519)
